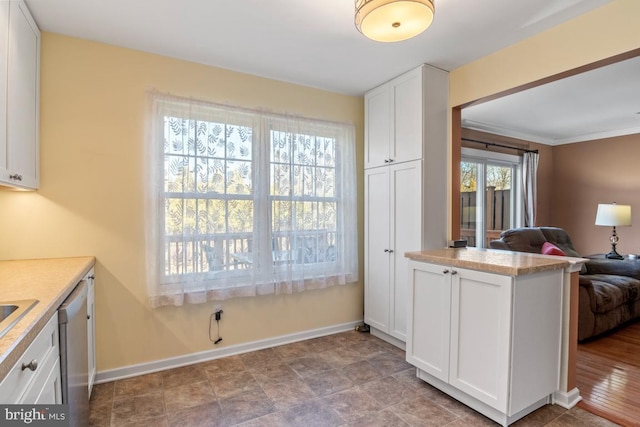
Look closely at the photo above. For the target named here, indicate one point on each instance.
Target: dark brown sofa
(609, 289)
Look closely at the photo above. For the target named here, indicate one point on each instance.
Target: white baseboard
(190, 359)
(567, 399)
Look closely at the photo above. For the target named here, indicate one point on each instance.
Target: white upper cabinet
(394, 120)
(377, 133)
(4, 51)
(407, 117)
(19, 91)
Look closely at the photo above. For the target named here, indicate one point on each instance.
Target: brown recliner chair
(609, 289)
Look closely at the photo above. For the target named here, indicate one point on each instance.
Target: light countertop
(49, 281)
(495, 261)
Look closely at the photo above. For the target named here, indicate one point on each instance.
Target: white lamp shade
(393, 20)
(613, 215)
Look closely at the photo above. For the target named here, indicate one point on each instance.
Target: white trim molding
(567, 399)
(190, 359)
(540, 139)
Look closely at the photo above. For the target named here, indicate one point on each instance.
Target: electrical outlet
(218, 307)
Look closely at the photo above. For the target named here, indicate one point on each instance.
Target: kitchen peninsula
(493, 328)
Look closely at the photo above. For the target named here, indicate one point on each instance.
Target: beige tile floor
(347, 379)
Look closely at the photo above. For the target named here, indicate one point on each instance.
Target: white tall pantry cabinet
(405, 189)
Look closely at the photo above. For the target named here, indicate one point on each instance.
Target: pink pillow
(551, 249)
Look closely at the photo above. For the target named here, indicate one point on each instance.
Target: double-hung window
(245, 203)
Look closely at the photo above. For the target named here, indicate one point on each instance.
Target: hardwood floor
(608, 376)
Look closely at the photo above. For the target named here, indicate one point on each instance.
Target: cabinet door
(480, 335)
(22, 97)
(377, 258)
(91, 329)
(4, 46)
(377, 131)
(407, 117)
(429, 318)
(406, 236)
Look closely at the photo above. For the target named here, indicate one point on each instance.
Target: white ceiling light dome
(393, 20)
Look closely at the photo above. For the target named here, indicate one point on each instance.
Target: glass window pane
(215, 178)
(175, 135)
(173, 216)
(468, 202)
(306, 215)
(239, 179)
(239, 142)
(282, 211)
(175, 173)
(280, 147)
(240, 216)
(280, 185)
(304, 149)
(325, 151)
(216, 216)
(325, 182)
(498, 199)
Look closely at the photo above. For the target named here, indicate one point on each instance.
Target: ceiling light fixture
(393, 20)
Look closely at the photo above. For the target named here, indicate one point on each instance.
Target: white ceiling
(315, 43)
(312, 43)
(601, 103)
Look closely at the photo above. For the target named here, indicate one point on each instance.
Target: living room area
(579, 168)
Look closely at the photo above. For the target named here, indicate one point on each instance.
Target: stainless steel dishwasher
(74, 359)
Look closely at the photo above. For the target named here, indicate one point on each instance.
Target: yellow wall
(602, 33)
(91, 196)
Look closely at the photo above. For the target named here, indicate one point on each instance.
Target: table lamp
(613, 215)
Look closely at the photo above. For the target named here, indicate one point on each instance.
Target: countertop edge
(20, 344)
(481, 261)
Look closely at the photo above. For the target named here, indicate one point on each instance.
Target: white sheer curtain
(243, 202)
(530, 187)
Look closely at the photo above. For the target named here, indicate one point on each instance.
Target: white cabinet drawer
(43, 351)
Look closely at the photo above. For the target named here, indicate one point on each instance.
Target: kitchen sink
(12, 311)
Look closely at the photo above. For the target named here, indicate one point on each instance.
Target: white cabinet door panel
(408, 117)
(377, 259)
(480, 335)
(4, 46)
(377, 126)
(22, 97)
(429, 324)
(406, 217)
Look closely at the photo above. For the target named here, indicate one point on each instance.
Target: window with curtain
(490, 195)
(243, 202)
